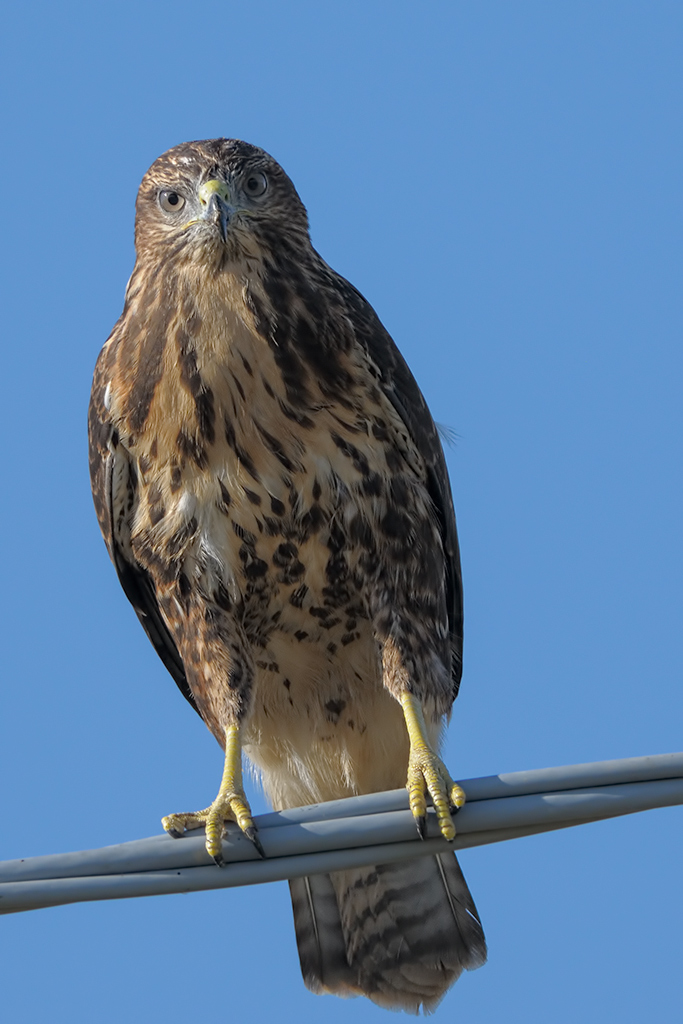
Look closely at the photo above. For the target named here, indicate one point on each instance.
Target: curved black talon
(174, 833)
(421, 823)
(251, 833)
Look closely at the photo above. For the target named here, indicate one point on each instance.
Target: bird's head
(217, 202)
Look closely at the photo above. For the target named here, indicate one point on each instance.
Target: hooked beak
(214, 197)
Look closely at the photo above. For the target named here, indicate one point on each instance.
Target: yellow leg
(230, 805)
(427, 772)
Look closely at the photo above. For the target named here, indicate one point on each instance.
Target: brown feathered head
(215, 202)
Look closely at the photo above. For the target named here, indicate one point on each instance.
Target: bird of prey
(273, 494)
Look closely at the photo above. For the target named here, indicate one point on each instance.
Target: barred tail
(400, 934)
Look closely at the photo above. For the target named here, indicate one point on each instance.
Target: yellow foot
(230, 805)
(428, 773)
(226, 807)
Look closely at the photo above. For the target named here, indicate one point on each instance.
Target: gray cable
(372, 829)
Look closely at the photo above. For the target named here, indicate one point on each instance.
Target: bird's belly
(321, 726)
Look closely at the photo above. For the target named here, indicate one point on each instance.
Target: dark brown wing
(400, 387)
(113, 480)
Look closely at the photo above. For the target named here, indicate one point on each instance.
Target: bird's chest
(268, 495)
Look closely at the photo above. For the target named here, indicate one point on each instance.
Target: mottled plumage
(274, 496)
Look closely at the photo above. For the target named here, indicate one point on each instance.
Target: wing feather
(402, 391)
(113, 479)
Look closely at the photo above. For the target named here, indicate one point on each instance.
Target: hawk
(274, 496)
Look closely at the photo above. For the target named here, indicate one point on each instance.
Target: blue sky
(502, 181)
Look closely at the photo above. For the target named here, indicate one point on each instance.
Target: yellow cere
(213, 187)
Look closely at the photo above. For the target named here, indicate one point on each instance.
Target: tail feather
(400, 934)
(319, 936)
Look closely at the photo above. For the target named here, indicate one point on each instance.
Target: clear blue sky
(502, 180)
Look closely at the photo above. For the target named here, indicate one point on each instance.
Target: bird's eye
(255, 184)
(171, 201)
